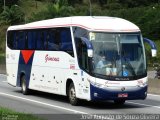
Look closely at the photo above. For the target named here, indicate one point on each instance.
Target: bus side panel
(46, 73)
(45, 79)
(86, 85)
(12, 58)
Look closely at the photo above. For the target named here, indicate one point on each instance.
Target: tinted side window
(82, 54)
(10, 38)
(15, 40)
(80, 32)
(31, 39)
(53, 43)
(45, 39)
(40, 40)
(66, 41)
(21, 37)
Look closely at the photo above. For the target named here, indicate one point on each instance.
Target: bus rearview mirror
(152, 45)
(90, 52)
(154, 52)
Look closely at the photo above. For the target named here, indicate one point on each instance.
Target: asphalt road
(52, 106)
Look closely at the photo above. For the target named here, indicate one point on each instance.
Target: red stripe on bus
(27, 55)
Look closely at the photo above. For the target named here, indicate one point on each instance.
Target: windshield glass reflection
(120, 55)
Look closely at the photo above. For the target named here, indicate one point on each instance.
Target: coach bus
(85, 57)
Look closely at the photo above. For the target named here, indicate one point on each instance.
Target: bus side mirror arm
(153, 46)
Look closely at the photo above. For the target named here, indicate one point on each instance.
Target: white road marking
(3, 75)
(154, 95)
(4, 81)
(50, 105)
(143, 104)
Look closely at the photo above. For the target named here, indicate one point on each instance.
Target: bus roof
(92, 23)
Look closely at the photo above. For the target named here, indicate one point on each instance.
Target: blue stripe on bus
(25, 68)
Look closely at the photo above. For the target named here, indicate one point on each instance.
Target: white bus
(64, 56)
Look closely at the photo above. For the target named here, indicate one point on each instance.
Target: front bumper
(133, 93)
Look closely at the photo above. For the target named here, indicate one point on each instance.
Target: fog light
(145, 93)
(95, 94)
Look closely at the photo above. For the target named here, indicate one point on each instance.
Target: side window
(66, 41)
(45, 39)
(81, 49)
(80, 32)
(85, 57)
(40, 40)
(15, 34)
(10, 39)
(53, 41)
(21, 37)
(31, 39)
(16, 39)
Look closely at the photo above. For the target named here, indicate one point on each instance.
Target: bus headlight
(95, 84)
(141, 83)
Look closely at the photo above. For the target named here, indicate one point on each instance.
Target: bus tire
(119, 102)
(72, 95)
(24, 88)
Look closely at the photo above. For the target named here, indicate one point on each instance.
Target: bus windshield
(118, 54)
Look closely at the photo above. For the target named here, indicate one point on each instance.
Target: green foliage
(134, 3)
(73, 2)
(58, 9)
(147, 18)
(150, 21)
(7, 114)
(2, 58)
(8, 3)
(12, 15)
(2, 38)
(1, 9)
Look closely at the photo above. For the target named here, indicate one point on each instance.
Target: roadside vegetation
(144, 13)
(154, 85)
(6, 114)
(2, 58)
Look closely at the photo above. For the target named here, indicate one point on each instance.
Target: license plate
(122, 95)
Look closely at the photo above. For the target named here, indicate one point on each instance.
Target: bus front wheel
(24, 88)
(72, 95)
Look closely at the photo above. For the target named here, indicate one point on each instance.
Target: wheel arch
(68, 82)
(21, 75)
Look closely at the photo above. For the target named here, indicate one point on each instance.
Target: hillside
(144, 13)
(28, 7)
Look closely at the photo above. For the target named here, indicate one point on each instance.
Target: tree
(8, 3)
(136, 3)
(12, 15)
(58, 9)
(73, 2)
(1, 7)
(102, 2)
